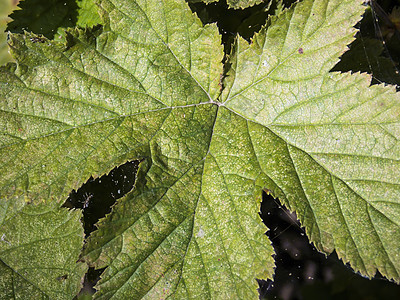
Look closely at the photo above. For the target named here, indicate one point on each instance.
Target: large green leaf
(148, 86)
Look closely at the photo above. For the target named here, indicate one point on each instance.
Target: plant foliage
(149, 85)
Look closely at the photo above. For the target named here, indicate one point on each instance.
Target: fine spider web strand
(375, 9)
(377, 12)
(371, 3)
(294, 220)
(369, 61)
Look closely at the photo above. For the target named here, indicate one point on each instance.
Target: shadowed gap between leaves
(376, 49)
(304, 273)
(231, 22)
(96, 198)
(44, 17)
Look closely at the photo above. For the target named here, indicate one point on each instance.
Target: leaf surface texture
(147, 85)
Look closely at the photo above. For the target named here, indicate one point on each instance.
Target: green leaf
(150, 85)
(39, 247)
(5, 9)
(87, 14)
